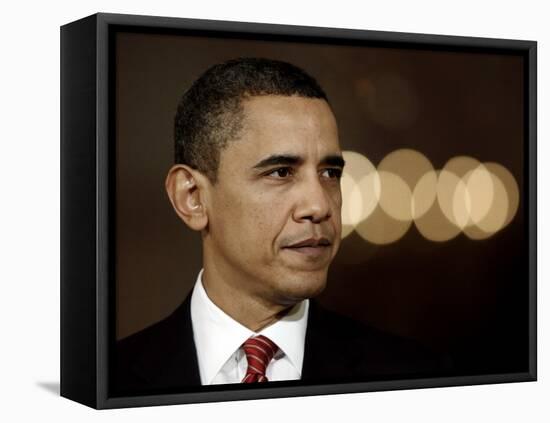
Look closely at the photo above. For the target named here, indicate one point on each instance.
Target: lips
(310, 242)
(312, 250)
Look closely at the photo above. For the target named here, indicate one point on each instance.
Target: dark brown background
(468, 298)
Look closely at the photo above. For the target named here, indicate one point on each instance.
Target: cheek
(263, 221)
(248, 220)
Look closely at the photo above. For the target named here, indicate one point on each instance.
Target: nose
(313, 202)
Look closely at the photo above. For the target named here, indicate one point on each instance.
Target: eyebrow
(293, 160)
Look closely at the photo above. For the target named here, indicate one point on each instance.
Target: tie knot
(259, 351)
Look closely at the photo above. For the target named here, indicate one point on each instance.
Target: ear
(185, 188)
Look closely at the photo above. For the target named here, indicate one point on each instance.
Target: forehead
(284, 125)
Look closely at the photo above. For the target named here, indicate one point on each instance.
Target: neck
(249, 310)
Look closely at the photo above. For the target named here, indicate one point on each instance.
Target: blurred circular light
(454, 199)
(495, 218)
(380, 203)
(360, 190)
(379, 228)
(461, 205)
(346, 230)
(448, 184)
(395, 196)
(511, 186)
(480, 187)
(357, 166)
(370, 188)
(424, 194)
(410, 166)
(407, 163)
(460, 165)
(352, 201)
(434, 224)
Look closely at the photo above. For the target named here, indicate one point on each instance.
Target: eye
(281, 172)
(332, 173)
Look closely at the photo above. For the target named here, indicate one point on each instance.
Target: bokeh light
(380, 228)
(424, 194)
(510, 185)
(434, 225)
(494, 219)
(480, 193)
(380, 204)
(395, 196)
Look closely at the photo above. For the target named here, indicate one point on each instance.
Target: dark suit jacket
(162, 358)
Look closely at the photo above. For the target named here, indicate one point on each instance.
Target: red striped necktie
(259, 352)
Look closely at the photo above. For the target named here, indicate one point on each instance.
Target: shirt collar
(217, 335)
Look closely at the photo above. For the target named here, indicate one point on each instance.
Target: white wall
(29, 208)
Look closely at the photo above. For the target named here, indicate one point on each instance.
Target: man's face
(274, 221)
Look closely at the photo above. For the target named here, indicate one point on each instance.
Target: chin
(303, 287)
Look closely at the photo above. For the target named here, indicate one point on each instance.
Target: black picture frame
(87, 199)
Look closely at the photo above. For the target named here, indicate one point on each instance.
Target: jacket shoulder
(344, 349)
(159, 358)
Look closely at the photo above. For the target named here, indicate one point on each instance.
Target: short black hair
(210, 112)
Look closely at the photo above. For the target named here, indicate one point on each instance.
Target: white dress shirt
(218, 339)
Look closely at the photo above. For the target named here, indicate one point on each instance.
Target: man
(258, 166)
